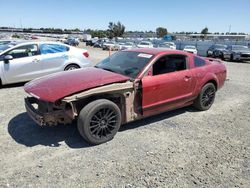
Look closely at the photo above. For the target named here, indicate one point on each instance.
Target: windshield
(4, 47)
(110, 43)
(190, 47)
(220, 46)
(144, 43)
(126, 63)
(169, 43)
(239, 47)
(164, 45)
(129, 44)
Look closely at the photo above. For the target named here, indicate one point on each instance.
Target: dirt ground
(182, 148)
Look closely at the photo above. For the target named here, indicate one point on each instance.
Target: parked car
(5, 42)
(120, 45)
(145, 44)
(127, 86)
(72, 41)
(30, 60)
(110, 45)
(239, 52)
(128, 45)
(99, 43)
(218, 51)
(5, 45)
(171, 44)
(190, 49)
(91, 42)
(165, 46)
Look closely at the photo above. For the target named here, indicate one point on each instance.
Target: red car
(124, 87)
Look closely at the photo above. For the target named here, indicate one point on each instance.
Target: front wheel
(99, 121)
(206, 97)
(71, 67)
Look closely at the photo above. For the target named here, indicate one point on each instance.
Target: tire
(71, 67)
(222, 57)
(99, 121)
(232, 58)
(206, 97)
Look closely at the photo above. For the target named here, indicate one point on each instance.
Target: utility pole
(21, 25)
(229, 29)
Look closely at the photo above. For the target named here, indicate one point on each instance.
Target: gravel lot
(182, 148)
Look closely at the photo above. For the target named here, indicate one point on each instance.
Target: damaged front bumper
(44, 113)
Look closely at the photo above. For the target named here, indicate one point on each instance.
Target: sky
(142, 15)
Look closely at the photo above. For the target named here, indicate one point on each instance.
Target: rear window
(52, 48)
(199, 62)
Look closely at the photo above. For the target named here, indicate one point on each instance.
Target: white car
(110, 45)
(29, 60)
(190, 49)
(145, 44)
(170, 44)
(128, 45)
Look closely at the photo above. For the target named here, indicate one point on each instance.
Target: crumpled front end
(46, 113)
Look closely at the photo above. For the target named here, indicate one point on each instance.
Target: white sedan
(190, 49)
(127, 46)
(29, 60)
(145, 44)
(170, 44)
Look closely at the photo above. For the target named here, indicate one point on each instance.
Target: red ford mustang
(124, 87)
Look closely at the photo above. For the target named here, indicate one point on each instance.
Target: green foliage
(115, 30)
(161, 32)
(98, 33)
(16, 36)
(204, 32)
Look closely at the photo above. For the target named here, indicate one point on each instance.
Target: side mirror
(7, 58)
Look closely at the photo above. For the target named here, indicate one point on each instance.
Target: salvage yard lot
(184, 148)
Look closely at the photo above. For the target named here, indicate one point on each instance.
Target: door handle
(64, 56)
(35, 60)
(187, 78)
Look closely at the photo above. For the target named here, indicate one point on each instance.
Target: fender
(207, 78)
(2, 75)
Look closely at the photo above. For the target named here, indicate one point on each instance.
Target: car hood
(59, 85)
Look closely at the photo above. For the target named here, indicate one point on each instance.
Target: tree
(161, 32)
(115, 30)
(204, 32)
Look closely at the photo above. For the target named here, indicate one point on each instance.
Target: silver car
(30, 60)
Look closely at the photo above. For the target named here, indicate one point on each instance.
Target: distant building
(220, 37)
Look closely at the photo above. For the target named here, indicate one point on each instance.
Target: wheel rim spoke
(208, 97)
(103, 123)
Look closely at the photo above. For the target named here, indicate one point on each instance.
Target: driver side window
(24, 51)
(169, 63)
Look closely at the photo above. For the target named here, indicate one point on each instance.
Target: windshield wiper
(107, 69)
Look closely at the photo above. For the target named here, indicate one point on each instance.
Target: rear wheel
(206, 97)
(71, 67)
(99, 121)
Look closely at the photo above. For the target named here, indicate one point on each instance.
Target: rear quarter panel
(76, 56)
(212, 72)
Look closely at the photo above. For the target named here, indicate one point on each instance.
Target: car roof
(155, 51)
(21, 43)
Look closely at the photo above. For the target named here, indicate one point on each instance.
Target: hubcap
(208, 97)
(71, 68)
(103, 123)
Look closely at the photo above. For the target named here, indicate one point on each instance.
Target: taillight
(86, 54)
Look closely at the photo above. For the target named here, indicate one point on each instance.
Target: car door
(170, 85)
(53, 57)
(25, 64)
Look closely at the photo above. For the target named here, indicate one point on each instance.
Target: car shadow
(13, 85)
(24, 131)
(157, 118)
